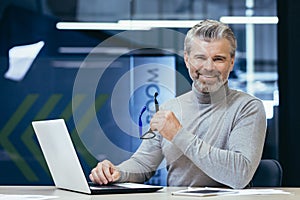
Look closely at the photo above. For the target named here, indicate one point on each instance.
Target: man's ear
(232, 63)
(186, 59)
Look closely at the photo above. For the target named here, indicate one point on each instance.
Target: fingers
(104, 173)
(160, 119)
(166, 123)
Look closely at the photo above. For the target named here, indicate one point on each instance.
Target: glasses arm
(141, 122)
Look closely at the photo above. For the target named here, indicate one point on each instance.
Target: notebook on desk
(65, 167)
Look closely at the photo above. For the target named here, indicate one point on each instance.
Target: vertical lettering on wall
(153, 74)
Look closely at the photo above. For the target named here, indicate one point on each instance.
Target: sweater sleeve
(143, 163)
(235, 165)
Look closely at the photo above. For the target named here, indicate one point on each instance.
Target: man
(210, 136)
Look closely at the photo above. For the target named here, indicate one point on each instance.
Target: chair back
(268, 174)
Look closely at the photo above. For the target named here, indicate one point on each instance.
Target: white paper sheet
(261, 191)
(210, 191)
(25, 197)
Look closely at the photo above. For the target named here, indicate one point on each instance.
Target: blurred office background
(99, 77)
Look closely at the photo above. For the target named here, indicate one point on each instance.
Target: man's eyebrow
(220, 56)
(199, 55)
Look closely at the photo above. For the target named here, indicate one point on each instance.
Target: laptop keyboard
(109, 186)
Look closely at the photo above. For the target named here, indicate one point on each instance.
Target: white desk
(160, 195)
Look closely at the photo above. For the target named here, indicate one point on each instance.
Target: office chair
(268, 174)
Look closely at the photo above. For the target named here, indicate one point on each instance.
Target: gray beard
(205, 88)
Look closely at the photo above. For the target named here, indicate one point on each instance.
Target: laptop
(65, 167)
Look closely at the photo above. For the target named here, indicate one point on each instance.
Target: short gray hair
(209, 30)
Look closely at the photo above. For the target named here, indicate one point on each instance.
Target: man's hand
(166, 123)
(105, 172)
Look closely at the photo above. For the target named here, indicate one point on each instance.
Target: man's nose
(209, 64)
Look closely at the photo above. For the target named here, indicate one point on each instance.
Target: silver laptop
(65, 167)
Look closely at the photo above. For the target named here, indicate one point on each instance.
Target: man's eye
(219, 59)
(200, 58)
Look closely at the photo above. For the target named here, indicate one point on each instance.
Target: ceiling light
(127, 25)
(97, 26)
(160, 23)
(249, 20)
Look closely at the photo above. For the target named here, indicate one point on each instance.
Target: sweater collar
(213, 97)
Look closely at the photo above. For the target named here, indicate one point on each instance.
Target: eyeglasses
(149, 134)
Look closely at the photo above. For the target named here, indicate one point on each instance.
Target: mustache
(207, 73)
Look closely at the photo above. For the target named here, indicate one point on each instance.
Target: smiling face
(209, 63)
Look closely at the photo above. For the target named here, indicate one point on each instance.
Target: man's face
(209, 64)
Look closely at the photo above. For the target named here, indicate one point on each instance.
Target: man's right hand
(105, 172)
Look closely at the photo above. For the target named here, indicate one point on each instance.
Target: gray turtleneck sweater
(220, 143)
